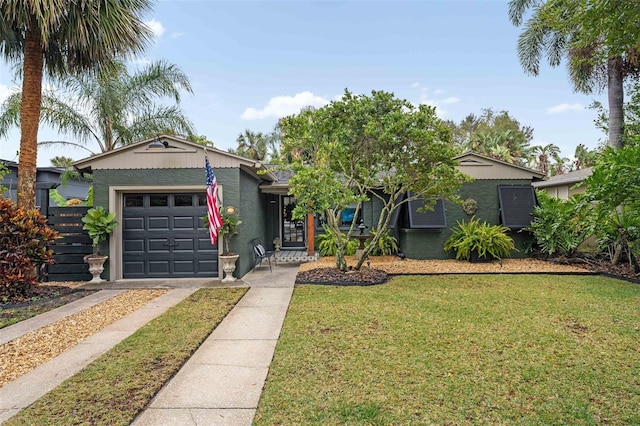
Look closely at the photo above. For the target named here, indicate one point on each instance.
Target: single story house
(46, 178)
(565, 185)
(157, 191)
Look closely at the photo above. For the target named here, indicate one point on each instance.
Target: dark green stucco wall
(249, 202)
(428, 244)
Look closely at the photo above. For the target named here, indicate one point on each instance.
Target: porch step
(291, 256)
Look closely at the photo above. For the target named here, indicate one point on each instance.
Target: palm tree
(252, 145)
(111, 108)
(584, 157)
(543, 153)
(590, 35)
(62, 36)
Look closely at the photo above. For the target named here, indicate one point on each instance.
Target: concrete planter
(96, 266)
(228, 266)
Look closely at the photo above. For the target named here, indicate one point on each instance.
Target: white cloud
(157, 27)
(450, 100)
(281, 106)
(438, 92)
(414, 85)
(564, 107)
(177, 34)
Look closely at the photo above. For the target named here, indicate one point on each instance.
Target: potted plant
(478, 241)
(229, 229)
(100, 224)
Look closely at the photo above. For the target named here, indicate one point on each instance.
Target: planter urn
(229, 266)
(96, 266)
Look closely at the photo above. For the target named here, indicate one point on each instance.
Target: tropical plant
(327, 244)
(253, 145)
(480, 237)
(559, 226)
(24, 237)
(100, 224)
(387, 244)
(599, 40)
(62, 37)
(362, 147)
(543, 155)
(228, 230)
(614, 191)
(112, 108)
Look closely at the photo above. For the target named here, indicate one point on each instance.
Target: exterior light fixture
(156, 145)
(230, 210)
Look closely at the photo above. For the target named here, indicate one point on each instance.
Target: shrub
(480, 237)
(386, 244)
(327, 245)
(24, 236)
(559, 226)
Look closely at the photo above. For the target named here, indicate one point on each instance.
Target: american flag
(215, 221)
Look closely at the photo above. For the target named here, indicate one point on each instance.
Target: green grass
(481, 349)
(117, 386)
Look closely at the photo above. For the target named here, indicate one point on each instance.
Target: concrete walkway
(219, 385)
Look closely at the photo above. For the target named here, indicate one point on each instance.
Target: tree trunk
(616, 99)
(30, 119)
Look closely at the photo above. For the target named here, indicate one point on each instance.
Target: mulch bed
(323, 270)
(45, 294)
(332, 276)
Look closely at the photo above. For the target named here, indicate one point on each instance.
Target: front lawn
(459, 349)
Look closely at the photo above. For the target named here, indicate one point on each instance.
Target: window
(133, 200)
(430, 219)
(516, 205)
(158, 200)
(183, 200)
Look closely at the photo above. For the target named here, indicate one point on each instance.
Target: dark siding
(428, 244)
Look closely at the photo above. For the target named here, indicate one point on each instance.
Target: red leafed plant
(24, 236)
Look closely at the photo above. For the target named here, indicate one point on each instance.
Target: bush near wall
(24, 236)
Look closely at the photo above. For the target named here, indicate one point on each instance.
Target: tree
(495, 134)
(59, 36)
(111, 108)
(543, 153)
(367, 147)
(252, 145)
(201, 140)
(613, 191)
(584, 157)
(598, 39)
(62, 161)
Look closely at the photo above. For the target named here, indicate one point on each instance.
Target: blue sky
(253, 62)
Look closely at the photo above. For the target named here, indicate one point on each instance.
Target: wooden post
(311, 237)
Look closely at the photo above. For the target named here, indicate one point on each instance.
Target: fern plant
(480, 237)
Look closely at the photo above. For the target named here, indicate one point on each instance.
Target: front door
(293, 231)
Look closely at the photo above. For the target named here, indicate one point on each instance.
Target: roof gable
(479, 166)
(177, 153)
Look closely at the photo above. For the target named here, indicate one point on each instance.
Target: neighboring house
(565, 185)
(46, 178)
(158, 195)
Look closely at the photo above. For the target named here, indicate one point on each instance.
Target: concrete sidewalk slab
(22, 392)
(222, 382)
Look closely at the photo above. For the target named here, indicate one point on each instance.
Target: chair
(259, 254)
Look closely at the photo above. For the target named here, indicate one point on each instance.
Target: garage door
(163, 238)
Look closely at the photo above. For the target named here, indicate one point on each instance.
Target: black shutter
(431, 219)
(516, 205)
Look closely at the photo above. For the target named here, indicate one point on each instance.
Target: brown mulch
(47, 293)
(364, 276)
(323, 270)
